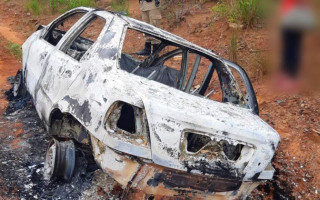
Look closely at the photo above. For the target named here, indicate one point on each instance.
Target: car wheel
(60, 160)
(18, 87)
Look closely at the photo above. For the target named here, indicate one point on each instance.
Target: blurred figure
(297, 18)
(150, 13)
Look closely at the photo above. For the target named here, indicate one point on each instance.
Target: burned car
(182, 122)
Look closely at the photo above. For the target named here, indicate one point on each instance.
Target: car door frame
(46, 31)
(250, 100)
(250, 97)
(42, 101)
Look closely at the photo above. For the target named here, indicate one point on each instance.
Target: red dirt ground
(295, 116)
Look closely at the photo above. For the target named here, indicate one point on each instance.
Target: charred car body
(150, 126)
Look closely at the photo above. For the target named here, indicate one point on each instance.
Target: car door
(37, 52)
(47, 42)
(65, 63)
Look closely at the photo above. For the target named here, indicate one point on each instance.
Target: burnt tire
(60, 160)
(18, 86)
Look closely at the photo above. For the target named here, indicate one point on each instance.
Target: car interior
(161, 67)
(84, 38)
(188, 70)
(59, 28)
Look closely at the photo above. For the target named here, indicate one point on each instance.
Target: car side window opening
(59, 29)
(201, 77)
(85, 38)
(182, 68)
(128, 121)
(160, 66)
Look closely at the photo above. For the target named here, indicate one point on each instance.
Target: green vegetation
(69, 4)
(169, 16)
(246, 12)
(222, 9)
(42, 6)
(33, 6)
(249, 11)
(261, 65)
(233, 48)
(15, 50)
(120, 6)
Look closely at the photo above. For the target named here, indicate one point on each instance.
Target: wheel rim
(69, 160)
(60, 160)
(49, 165)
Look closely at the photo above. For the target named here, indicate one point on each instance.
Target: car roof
(157, 32)
(154, 31)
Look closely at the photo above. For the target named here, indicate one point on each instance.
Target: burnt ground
(23, 140)
(23, 145)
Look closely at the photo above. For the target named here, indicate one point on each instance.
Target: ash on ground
(23, 143)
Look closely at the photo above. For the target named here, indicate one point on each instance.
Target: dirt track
(23, 140)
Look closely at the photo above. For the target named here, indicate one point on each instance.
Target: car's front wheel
(60, 160)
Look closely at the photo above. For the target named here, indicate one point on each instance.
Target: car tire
(60, 160)
(18, 86)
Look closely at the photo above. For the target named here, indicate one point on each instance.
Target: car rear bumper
(141, 179)
(159, 182)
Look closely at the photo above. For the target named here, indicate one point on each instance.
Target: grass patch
(222, 9)
(246, 12)
(120, 6)
(249, 11)
(233, 48)
(15, 50)
(53, 6)
(33, 6)
(261, 66)
(70, 4)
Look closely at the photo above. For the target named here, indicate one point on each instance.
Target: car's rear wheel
(18, 87)
(60, 160)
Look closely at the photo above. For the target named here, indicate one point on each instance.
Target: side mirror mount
(40, 27)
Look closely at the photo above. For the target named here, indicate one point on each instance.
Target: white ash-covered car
(182, 122)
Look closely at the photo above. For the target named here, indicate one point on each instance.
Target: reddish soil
(8, 67)
(295, 116)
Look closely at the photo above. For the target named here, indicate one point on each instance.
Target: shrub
(261, 65)
(233, 48)
(56, 5)
(222, 9)
(76, 3)
(120, 6)
(249, 11)
(246, 12)
(15, 50)
(33, 6)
